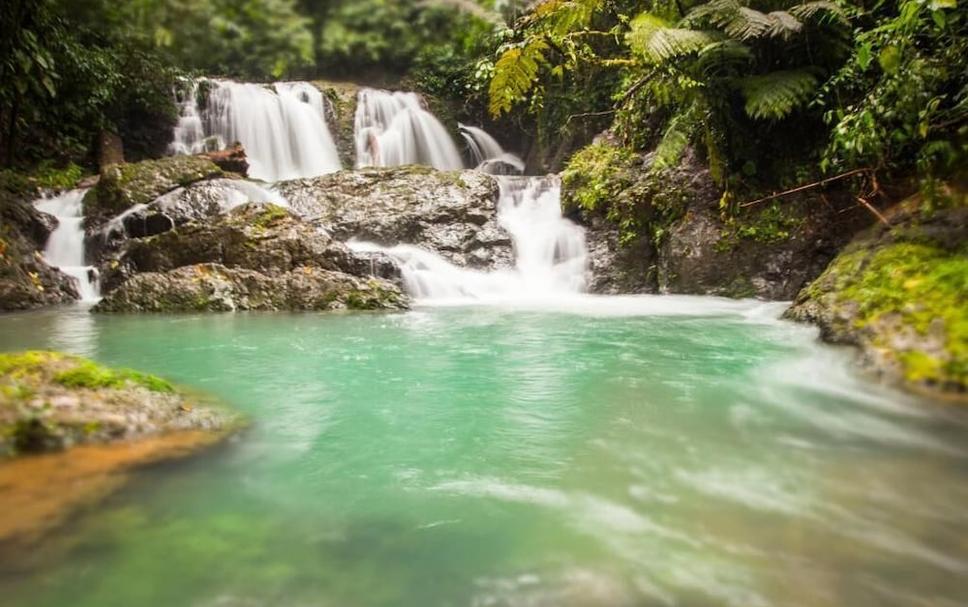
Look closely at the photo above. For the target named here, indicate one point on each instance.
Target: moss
(44, 176)
(270, 215)
(775, 223)
(125, 185)
(80, 373)
(88, 374)
(921, 286)
(596, 175)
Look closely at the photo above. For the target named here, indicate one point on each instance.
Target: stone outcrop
(341, 101)
(680, 241)
(898, 293)
(451, 213)
(215, 288)
(51, 401)
(26, 281)
(255, 257)
(123, 186)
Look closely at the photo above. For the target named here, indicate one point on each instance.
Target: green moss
(924, 287)
(775, 223)
(88, 374)
(44, 176)
(596, 175)
(126, 185)
(18, 364)
(270, 215)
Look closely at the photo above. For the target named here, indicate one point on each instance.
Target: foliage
(901, 101)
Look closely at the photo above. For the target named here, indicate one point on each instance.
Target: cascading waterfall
(550, 252)
(65, 246)
(394, 129)
(282, 127)
(487, 154)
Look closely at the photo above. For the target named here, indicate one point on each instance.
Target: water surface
(649, 451)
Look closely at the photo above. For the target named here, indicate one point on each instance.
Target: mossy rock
(50, 401)
(899, 293)
(125, 185)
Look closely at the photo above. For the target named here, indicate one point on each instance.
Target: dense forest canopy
(766, 90)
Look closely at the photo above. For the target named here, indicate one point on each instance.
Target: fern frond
(809, 9)
(776, 95)
(724, 55)
(675, 139)
(743, 23)
(514, 75)
(656, 41)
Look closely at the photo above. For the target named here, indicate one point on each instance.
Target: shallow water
(628, 451)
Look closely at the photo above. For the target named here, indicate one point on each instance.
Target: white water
(65, 246)
(282, 127)
(486, 153)
(394, 129)
(550, 253)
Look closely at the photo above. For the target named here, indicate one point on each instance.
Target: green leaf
(776, 95)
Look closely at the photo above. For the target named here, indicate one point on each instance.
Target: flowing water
(65, 246)
(282, 127)
(619, 451)
(550, 253)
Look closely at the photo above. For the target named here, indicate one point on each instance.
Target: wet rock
(123, 186)
(254, 236)
(231, 160)
(452, 213)
(216, 288)
(898, 293)
(26, 281)
(51, 401)
(341, 100)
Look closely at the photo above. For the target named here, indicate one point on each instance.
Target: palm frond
(776, 95)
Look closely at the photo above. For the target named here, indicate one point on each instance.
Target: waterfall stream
(282, 127)
(550, 252)
(65, 246)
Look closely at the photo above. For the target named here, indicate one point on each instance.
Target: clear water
(615, 452)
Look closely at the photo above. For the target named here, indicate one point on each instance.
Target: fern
(776, 95)
(808, 10)
(656, 41)
(677, 135)
(515, 74)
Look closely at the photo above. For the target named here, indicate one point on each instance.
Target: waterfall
(394, 129)
(282, 127)
(487, 154)
(65, 246)
(550, 252)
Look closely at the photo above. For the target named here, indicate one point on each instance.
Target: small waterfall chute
(65, 246)
(486, 153)
(394, 129)
(281, 126)
(550, 252)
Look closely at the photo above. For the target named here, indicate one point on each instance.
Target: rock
(110, 150)
(231, 160)
(123, 186)
(341, 100)
(898, 293)
(197, 201)
(26, 281)
(216, 288)
(51, 401)
(254, 236)
(665, 232)
(451, 213)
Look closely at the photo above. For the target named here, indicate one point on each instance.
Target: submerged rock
(452, 213)
(216, 288)
(898, 293)
(51, 401)
(26, 281)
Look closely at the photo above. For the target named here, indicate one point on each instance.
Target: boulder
(231, 160)
(51, 401)
(216, 288)
(255, 236)
(26, 281)
(123, 186)
(898, 293)
(450, 213)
